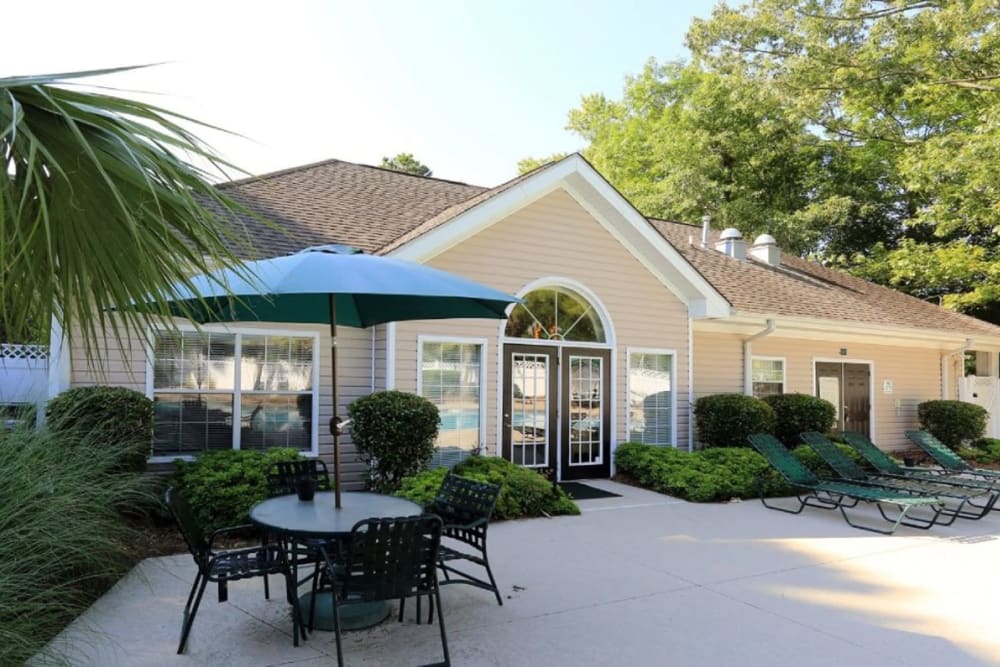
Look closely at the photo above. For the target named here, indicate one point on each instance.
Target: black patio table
(290, 517)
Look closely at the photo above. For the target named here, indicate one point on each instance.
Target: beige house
(625, 322)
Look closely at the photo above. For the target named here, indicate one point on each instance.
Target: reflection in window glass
(198, 404)
(555, 313)
(650, 417)
(768, 377)
(451, 378)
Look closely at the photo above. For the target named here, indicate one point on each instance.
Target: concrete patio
(638, 580)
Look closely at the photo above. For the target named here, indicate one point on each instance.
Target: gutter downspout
(747, 365)
(945, 374)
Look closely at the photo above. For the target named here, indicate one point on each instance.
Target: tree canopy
(100, 207)
(862, 132)
(406, 163)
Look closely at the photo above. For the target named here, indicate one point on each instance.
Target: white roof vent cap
(765, 249)
(765, 239)
(730, 234)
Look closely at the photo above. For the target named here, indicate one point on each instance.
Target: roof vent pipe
(765, 249)
(706, 229)
(731, 243)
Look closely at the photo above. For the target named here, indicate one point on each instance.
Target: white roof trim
(604, 204)
(846, 330)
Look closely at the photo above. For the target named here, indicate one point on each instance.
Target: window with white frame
(651, 397)
(768, 376)
(222, 390)
(451, 377)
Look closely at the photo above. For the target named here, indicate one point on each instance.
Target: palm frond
(101, 206)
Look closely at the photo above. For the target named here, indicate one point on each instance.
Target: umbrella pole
(334, 421)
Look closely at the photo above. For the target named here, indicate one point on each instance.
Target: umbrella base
(352, 617)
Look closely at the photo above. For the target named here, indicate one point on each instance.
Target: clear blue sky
(468, 87)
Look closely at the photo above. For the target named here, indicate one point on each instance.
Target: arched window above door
(555, 313)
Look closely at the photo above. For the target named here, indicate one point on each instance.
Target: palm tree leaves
(100, 206)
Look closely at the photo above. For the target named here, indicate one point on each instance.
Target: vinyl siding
(555, 237)
(128, 368)
(915, 374)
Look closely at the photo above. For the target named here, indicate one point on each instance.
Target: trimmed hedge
(726, 420)
(709, 475)
(394, 431)
(955, 423)
(221, 486)
(524, 492)
(100, 416)
(798, 413)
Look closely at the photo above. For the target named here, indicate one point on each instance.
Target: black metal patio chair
(222, 566)
(830, 494)
(387, 559)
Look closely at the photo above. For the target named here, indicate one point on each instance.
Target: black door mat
(578, 491)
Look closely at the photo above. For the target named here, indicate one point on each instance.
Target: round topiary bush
(955, 423)
(100, 415)
(726, 420)
(798, 413)
(394, 432)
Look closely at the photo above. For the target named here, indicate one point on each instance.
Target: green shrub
(955, 423)
(394, 431)
(726, 420)
(221, 486)
(984, 450)
(524, 492)
(103, 416)
(701, 476)
(64, 541)
(798, 413)
(812, 460)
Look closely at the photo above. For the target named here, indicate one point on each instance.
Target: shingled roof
(379, 210)
(800, 288)
(342, 202)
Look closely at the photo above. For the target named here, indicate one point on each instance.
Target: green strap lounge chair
(946, 458)
(886, 465)
(831, 494)
(852, 472)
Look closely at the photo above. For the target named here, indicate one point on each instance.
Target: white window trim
(237, 389)
(672, 353)
(460, 340)
(784, 370)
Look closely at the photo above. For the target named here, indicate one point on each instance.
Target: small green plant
(221, 486)
(103, 416)
(798, 413)
(524, 492)
(726, 420)
(955, 423)
(818, 466)
(65, 541)
(982, 451)
(394, 431)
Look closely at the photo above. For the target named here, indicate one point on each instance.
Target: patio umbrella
(334, 284)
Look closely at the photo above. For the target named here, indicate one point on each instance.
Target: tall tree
(405, 162)
(99, 206)
(863, 132)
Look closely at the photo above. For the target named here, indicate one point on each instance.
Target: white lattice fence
(23, 373)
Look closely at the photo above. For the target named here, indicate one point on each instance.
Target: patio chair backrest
(781, 459)
(833, 457)
(283, 476)
(862, 445)
(939, 451)
(187, 522)
(391, 558)
(461, 500)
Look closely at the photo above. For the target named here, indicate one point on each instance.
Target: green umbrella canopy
(331, 284)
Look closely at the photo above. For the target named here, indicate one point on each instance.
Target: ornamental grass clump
(63, 538)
